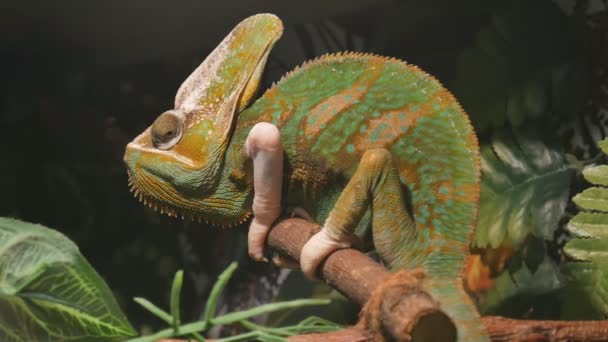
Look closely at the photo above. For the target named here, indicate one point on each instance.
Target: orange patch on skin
(389, 119)
(284, 117)
(271, 94)
(395, 121)
(409, 172)
(325, 111)
(443, 190)
(467, 192)
(195, 145)
(444, 97)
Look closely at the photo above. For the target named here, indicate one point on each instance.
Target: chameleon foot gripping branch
(362, 134)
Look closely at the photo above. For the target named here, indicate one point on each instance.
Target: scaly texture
(333, 109)
(363, 135)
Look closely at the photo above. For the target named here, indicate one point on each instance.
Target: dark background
(80, 79)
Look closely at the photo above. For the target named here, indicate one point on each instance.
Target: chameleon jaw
(177, 212)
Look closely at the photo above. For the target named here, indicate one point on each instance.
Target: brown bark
(348, 270)
(505, 329)
(398, 306)
(357, 275)
(413, 314)
(500, 329)
(354, 334)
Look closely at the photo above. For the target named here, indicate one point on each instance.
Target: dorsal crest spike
(338, 56)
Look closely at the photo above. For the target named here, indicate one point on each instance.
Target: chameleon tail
(458, 305)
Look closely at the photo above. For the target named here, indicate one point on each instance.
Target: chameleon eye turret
(166, 131)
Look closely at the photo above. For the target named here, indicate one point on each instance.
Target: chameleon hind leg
(375, 183)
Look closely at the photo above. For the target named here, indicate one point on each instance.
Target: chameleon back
(332, 109)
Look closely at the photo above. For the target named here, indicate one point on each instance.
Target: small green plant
(258, 332)
(587, 271)
(49, 292)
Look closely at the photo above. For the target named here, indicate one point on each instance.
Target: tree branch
(356, 276)
(414, 315)
(404, 312)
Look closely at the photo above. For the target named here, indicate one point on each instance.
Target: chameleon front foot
(263, 146)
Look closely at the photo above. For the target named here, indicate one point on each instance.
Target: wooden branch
(354, 334)
(506, 329)
(500, 329)
(357, 275)
(353, 273)
(410, 314)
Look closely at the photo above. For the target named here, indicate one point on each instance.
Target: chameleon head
(175, 164)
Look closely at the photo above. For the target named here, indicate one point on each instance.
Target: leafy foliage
(524, 190)
(262, 333)
(523, 66)
(529, 273)
(587, 291)
(48, 291)
(519, 63)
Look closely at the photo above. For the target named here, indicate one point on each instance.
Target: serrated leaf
(49, 292)
(587, 249)
(597, 175)
(592, 199)
(587, 290)
(521, 67)
(524, 190)
(589, 225)
(603, 144)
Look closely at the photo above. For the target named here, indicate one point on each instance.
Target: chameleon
(351, 140)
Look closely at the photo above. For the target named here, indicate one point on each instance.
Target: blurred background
(80, 79)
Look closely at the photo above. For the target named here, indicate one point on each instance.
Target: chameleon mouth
(176, 211)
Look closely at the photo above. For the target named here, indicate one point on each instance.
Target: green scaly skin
(358, 131)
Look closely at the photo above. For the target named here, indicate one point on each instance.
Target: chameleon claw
(283, 262)
(299, 212)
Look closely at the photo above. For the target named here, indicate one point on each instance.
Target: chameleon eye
(166, 131)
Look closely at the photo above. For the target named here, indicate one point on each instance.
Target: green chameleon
(348, 140)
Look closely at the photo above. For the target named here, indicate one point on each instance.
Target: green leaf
(524, 190)
(603, 144)
(153, 309)
(230, 318)
(49, 292)
(589, 225)
(216, 291)
(597, 175)
(522, 65)
(587, 271)
(586, 294)
(592, 199)
(176, 290)
(588, 249)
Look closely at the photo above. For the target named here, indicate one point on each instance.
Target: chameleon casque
(355, 140)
